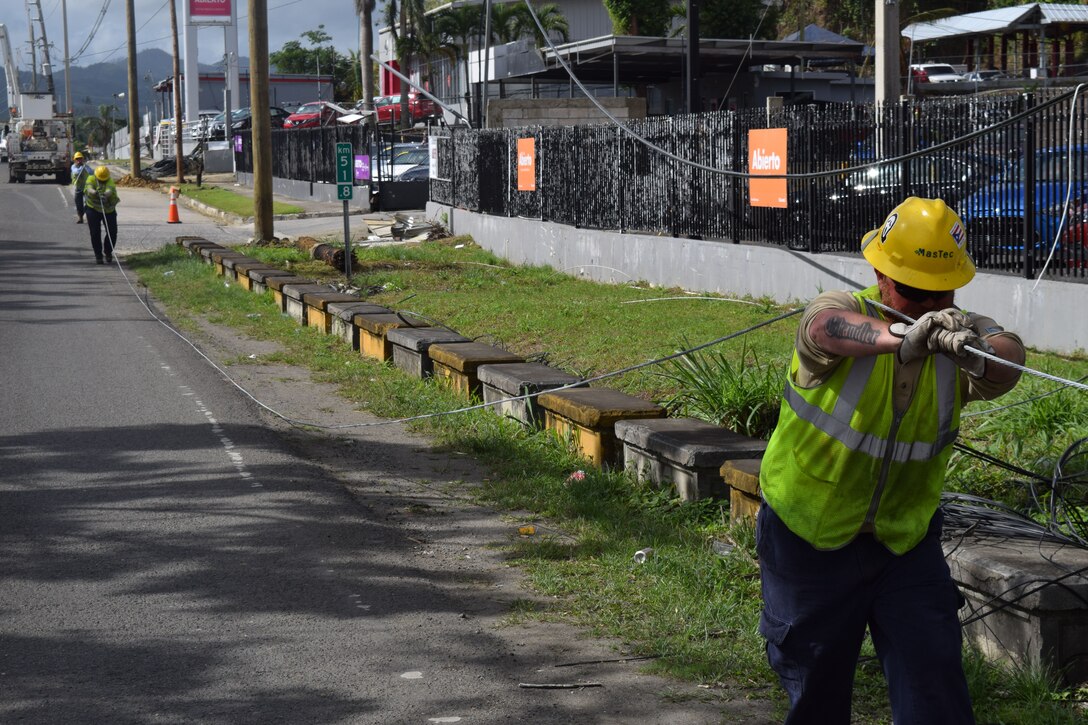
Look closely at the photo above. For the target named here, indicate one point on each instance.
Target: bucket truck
(39, 140)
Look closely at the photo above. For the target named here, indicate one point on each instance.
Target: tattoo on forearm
(862, 333)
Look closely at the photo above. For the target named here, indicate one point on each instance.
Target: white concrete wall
(1047, 317)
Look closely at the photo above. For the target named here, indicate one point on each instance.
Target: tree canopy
(318, 56)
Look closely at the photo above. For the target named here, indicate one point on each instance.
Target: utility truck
(39, 140)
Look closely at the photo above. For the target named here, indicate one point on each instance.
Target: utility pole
(262, 120)
(695, 103)
(179, 153)
(133, 90)
(67, 65)
(888, 85)
(487, 58)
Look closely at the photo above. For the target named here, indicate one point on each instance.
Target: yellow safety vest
(100, 195)
(841, 457)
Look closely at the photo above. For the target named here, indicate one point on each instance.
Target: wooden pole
(133, 100)
(179, 149)
(262, 122)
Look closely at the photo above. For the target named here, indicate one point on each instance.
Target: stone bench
(230, 262)
(684, 452)
(411, 345)
(457, 363)
(276, 284)
(373, 328)
(242, 268)
(742, 477)
(1033, 595)
(589, 416)
(206, 250)
(342, 319)
(317, 307)
(293, 303)
(219, 258)
(500, 382)
(259, 279)
(195, 244)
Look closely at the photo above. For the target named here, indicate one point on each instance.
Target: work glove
(955, 345)
(915, 344)
(954, 319)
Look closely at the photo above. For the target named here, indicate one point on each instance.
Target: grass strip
(692, 611)
(231, 202)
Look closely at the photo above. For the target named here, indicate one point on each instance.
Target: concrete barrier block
(1029, 600)
(411, 344)
(685, 453)
(512, 380)
(458, 363)
(342, 322)
(589, 416)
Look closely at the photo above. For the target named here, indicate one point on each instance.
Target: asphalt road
(171, 554)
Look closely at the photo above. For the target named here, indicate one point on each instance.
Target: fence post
(620, 205)
(906, 122)
(734, 181)
(1029, 188)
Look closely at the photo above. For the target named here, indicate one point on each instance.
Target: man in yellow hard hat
(101, 202)
(848, 533)
(79, 174)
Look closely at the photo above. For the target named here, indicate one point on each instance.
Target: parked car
(982, 76)
(313, 115)
(242, 120)
(397, 160)
(862, 199)
(994, 214)
(934, 73)
(422, 172)
(4, 149)
(419, 108)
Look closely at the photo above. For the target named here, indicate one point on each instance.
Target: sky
(287, 19)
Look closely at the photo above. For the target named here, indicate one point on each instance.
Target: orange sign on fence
(767, 155)
(526, 164)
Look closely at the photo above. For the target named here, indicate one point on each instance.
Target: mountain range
(98, 84)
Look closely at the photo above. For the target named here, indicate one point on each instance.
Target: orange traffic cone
(172, 216)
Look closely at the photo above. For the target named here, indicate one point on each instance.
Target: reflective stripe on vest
(838, 427)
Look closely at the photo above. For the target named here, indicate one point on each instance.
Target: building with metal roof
(1033, 40)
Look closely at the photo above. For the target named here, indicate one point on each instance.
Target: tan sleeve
(815, 363)
(982, 389)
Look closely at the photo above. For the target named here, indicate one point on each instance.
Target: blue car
(994, 214)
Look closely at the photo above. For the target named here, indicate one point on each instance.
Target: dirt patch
(137, 182)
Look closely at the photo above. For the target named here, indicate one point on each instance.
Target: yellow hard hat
(102, 173)
(922, 244)
(78, 155)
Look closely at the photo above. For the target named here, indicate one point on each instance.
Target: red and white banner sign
(209, 12)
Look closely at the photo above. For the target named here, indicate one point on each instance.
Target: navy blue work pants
(817, 605)
(95, 219)
(80, 208)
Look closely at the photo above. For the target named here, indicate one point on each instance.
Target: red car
(419, 108)
(312, 115)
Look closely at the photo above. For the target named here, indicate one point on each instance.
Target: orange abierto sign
(767, 155)
(526, 164)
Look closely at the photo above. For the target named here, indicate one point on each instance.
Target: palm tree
(551, 19)
(365, 10)
(104, 126)
(412, 36)
(458, 27)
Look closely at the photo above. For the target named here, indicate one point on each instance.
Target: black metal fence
(307, 154)
(601, 177)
